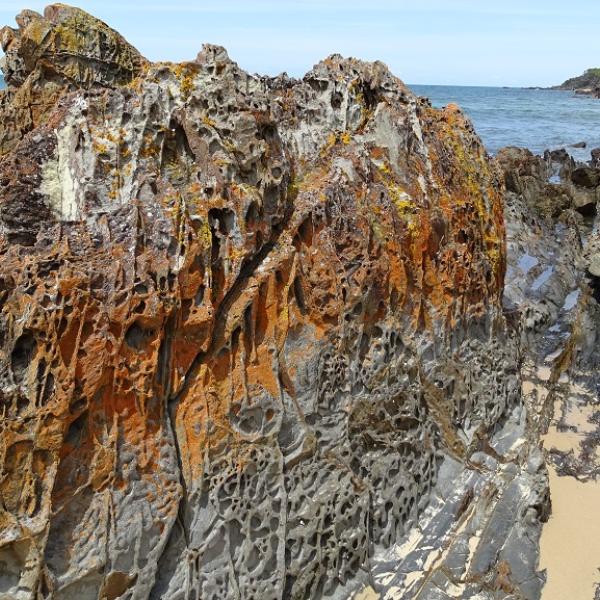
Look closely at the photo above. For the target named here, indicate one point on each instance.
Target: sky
(451, 42)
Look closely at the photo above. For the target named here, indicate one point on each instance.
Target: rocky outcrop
(551, 184)
(252, 342)
(48, 56)
(552, 284)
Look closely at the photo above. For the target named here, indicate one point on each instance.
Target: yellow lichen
(37, 30)
(208, 121)
(186, 74)
(333, 139)
(204, 234)
(99, 147)
(476, 186)
(401, 200)
(385, 168)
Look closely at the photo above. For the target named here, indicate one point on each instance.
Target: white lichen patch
(58, 182)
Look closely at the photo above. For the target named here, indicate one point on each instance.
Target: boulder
(526, 174)
(560, 163)
(587, 177)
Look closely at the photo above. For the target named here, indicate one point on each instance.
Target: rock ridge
(251, 330)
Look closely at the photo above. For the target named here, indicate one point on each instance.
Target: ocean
(534, 119)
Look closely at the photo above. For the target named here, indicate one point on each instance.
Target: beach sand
(570, 543)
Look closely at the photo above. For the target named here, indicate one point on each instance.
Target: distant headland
(587, 84)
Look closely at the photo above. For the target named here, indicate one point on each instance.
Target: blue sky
(469, 42)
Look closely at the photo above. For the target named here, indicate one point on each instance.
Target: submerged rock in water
(252, 341)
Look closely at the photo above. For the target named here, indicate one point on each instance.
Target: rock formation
(553, 284)
(587, 84)
(252, 342)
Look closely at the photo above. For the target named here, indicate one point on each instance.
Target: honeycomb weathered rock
(244, 320)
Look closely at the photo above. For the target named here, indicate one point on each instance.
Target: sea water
(529, 118)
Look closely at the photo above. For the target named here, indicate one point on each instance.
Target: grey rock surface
(256, 338)
(552, 284)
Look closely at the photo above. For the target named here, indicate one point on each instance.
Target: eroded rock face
(46, 56)
(245, 321)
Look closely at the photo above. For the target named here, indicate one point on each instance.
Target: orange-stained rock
(244, 320)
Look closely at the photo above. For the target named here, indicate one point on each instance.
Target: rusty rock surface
(244, 320)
